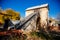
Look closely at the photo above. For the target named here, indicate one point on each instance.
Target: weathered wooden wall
(42, 20)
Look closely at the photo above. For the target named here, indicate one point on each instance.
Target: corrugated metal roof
(15, 22)
(39, 6)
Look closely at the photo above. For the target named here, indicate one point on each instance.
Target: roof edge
(39, 6)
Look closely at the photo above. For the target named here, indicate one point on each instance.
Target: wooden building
(43, 14)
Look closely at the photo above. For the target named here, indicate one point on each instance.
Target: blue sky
(21, 5)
